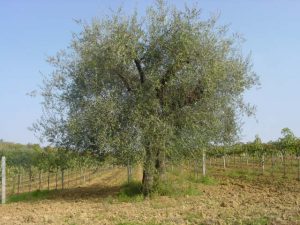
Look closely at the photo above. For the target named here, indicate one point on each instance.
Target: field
(224, 197)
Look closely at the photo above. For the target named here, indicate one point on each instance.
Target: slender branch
(139, 68)
(125, 82)
(193, 96)
(160, 91)
(165, 78)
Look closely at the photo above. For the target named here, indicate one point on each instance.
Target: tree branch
(163, 81)
(125, 82)
(139, 68)
(193, 96)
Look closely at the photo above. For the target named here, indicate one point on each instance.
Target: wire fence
(32, 180)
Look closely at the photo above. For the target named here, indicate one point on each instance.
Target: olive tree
(159, 77)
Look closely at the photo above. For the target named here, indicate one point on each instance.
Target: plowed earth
(231, 201)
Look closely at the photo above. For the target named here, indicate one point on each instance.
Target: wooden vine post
(3, 196)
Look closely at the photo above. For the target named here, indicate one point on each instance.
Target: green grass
(207, 180)
(194, 218)
(258, 221)
(131, 192)
(176, 188)
(138, 223)
(241, 174)
(29, 196)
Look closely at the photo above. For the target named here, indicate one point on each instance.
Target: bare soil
(231, 201)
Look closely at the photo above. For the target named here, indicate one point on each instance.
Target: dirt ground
(231, 201)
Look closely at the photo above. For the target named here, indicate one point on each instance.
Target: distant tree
(260, 151)
(160, 78)
(286, 144)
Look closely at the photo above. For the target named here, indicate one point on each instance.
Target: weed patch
(258, 221)
(131, 192)
(29, 196)
(176, 189)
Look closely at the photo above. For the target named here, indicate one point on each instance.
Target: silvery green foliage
(169, 81)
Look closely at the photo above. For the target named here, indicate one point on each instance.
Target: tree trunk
(154, 170)
(148, 174)
(160, 166)
(224, 162)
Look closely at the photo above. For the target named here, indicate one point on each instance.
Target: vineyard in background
(30, 168)
(279, 158)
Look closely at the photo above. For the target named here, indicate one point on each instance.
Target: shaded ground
(235, 199)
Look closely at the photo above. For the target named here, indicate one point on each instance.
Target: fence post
(203, 163)
(3, 196)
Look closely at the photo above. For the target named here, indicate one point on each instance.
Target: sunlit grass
(30, 196)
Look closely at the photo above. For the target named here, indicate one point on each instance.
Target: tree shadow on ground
(76, 194)
(93, 192)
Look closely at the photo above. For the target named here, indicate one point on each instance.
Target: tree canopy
(144, 86)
